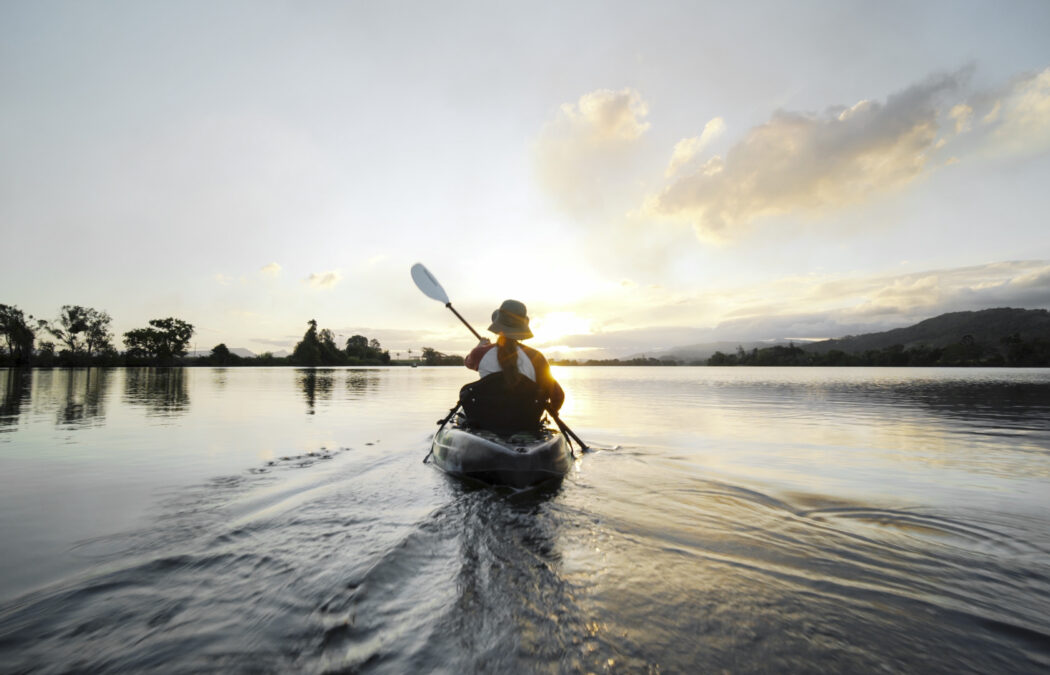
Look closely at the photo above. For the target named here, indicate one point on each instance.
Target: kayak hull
(522, 461)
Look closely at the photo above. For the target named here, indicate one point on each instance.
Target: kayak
(521, 460)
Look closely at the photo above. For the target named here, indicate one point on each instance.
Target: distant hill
(987, 326)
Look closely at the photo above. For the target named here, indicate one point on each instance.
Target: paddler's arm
(473, 359)
(557, 394)
(545, 379)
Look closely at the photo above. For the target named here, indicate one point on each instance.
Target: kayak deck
(521, 460)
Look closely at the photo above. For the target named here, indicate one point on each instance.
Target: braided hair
(507, 355)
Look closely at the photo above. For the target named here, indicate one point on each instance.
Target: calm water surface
(739, 520)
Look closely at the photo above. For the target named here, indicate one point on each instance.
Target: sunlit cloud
(324, 280)
(1021, 118)
(803, 163)
(992, 115)
(962, 114)
(809, 162)
(272, 270)
(867, 304)
(585, 156)
(686, 150)
(228, 280)
(606, 116)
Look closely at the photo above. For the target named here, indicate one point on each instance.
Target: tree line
(637, 361)
(1011, 351)
(433, 357)
(318, 348)
(82, 336)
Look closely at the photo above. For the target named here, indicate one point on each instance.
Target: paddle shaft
(568, 432)
(458, 316)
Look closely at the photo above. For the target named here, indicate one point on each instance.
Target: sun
(548, 329)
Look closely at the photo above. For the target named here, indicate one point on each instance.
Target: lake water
(729, 520)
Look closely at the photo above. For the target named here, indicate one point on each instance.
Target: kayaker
(513, 360)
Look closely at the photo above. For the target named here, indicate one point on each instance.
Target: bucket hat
(511, 320)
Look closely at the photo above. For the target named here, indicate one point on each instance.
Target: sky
(641, 175)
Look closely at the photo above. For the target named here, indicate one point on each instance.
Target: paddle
(426, 282)
(432, 289)
(567, 431)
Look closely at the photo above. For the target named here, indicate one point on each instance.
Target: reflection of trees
(361, 382)
(997, 402)
(316, 383)
(85, 396)
(17, 386)
(163, 391)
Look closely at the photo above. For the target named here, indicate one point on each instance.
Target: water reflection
(16, 390)
(1020, 402)
(162, 391)
(361, 382)
(83, 404)
(316, 384)
(218, 376)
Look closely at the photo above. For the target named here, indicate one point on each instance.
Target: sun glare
(550, 328)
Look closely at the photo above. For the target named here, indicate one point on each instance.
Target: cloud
(585, 157)
(837, 307)
(807, 162)
(324, 280)
(992, 115)
(1016, 284)
(962, 114)
(686, 150)
(606, 116)
(1019, 120)
(273, 269)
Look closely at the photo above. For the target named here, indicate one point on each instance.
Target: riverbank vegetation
(1011, 351)
(639, 361)
(82, 336)
(432, 357)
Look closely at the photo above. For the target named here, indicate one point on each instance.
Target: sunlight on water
(737, 519)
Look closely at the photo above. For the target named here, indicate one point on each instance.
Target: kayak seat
(503, 408)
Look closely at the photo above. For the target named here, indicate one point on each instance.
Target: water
(738, 520)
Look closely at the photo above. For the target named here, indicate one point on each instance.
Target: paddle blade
(428, 284)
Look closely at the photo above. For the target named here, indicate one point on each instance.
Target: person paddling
(521, 369)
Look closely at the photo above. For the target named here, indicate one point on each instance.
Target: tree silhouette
(83, 330)
(165, 340)
(71, 322)
(19, 332)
